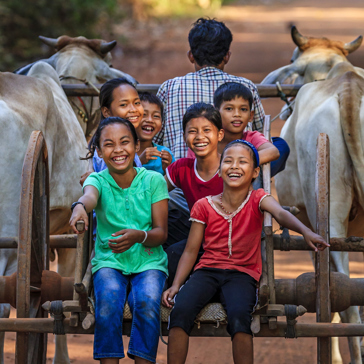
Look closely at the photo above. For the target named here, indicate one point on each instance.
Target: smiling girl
(131, 207)
(229, 226)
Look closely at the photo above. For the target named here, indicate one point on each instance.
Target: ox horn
(49, 41)
(107, 47)
(297, 37)
(354, 45)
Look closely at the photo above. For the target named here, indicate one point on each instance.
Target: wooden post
(322, 267)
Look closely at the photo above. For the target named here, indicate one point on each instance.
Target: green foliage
(22, 21)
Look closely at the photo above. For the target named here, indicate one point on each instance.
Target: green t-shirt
(128, 208)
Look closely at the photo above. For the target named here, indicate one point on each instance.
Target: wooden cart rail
(302, 330)
(263, 90)
(280, 242)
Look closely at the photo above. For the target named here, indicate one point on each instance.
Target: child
(234, 101)
(128, 250)
(197, 177)
(118, 97)
(153, 156)
(229, 227)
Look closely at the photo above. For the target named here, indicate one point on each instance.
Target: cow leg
(66, 268)
(335, 350)
(340, 263)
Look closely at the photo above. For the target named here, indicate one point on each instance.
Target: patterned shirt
(179, 93)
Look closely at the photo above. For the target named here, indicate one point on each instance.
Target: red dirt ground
(156, 51)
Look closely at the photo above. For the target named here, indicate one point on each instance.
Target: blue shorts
(237, 292)
(111, 290)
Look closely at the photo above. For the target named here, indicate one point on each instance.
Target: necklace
(222, 206)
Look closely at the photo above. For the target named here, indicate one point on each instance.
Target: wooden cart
(35, 291)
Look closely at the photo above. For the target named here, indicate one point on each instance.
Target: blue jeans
(111, 289)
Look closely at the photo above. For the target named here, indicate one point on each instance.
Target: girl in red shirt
(229, 226)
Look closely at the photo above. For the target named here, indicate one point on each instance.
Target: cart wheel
(33, 246)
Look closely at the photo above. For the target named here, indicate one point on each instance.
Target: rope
(291, 313)
(56, 312)
(284, 110)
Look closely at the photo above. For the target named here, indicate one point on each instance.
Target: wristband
(78, 203)
(145, 238)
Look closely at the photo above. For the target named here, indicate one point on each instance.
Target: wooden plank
(263, 90)
(322, 267)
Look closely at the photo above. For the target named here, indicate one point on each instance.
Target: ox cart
(35, 291)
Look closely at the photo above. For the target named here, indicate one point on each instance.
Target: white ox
(79, 60)
(332, 106)
(38, 103)
(312, 60)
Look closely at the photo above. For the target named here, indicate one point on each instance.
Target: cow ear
(114, 73)
(282, 74)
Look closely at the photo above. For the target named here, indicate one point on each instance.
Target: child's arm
(90, 169)
(155, 237)
(169, 184)
(286, 219)
(89, 200)
(167, 159)
(267, 153)
(186, 262)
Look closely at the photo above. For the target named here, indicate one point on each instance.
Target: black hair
(229, 91)
(244, 145)
(209, 41)
(107, 90)
(95, 140)
(152, 99)
(202, 109)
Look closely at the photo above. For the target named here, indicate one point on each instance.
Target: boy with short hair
(234, 102)
(209, 52)
(152, 156)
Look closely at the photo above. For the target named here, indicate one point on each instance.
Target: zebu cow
(312, 60)
(332, 106)
(81, 60)
(38, 103)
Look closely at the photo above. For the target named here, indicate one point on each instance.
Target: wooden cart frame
(34, 290)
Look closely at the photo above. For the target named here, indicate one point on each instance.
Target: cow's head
(77, 60)
(312, 59)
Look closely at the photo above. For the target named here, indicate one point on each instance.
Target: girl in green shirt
(131, 207)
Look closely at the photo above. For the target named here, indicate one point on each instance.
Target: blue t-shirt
(156, 164)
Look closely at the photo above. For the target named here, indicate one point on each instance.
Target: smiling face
(151, 122)
(237, 166)
(117, 148)
(235, 115)
(202, 136)
(126, 104)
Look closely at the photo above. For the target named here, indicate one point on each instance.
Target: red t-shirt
(254, 137)
(244, 253)
(183, 174)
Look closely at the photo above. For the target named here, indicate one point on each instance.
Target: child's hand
(149, 154)
(316, 242)
(84, 176)
(78, 214)
(168, 296)
(127, 239)
(166, 159)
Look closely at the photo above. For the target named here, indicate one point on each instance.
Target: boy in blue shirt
(152, 156)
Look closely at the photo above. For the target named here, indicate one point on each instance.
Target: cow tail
(350, 96)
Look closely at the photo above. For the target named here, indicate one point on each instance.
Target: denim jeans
(111, 291)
